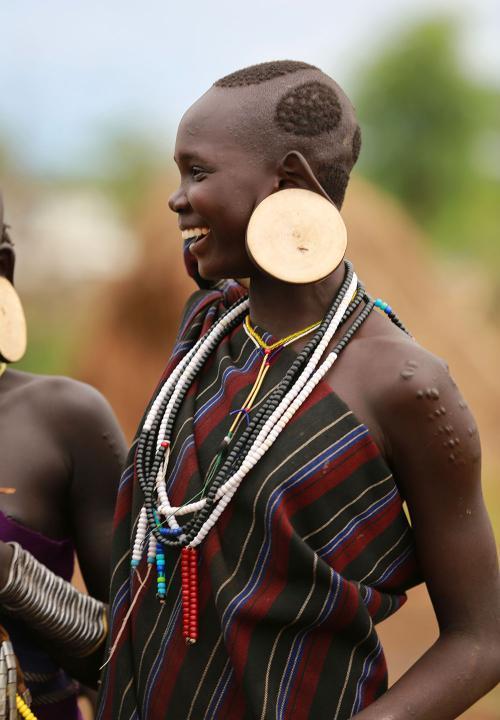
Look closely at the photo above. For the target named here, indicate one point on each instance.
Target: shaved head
(280, 106)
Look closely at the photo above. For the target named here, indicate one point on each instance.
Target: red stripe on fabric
(123, 503)
(257, 606)
(374, 603)
(161, 691)
(366, 532)
(219, 412)
(317, 486)
(178, 494)
(206, 300)
(270, 588)
(303, 691)
(406, 571)
(174, 657)
(346, 607)
(233, 705)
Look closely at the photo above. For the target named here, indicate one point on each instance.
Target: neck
(282, 308)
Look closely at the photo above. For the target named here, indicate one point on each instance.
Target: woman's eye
(197, 172)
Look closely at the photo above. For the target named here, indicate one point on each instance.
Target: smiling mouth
(194, 234)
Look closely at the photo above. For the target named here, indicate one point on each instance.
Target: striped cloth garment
(313, 550)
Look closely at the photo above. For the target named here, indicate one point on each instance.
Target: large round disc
(12, 323)
(296, 236)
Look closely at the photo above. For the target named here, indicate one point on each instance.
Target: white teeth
(194, 233)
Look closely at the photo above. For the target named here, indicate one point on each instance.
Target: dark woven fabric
(313, 550)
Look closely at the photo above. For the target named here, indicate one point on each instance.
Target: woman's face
(221, 182)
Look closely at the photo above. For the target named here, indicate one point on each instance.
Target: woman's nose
(178, 201)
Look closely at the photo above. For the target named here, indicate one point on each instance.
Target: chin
(215, 272)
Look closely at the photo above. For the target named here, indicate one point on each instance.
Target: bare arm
(97, 453)
(436, 462)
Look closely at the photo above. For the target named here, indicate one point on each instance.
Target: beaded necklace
(163, 521)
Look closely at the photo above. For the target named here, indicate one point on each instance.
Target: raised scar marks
(456, 450)
(409, 369)
(430, 393)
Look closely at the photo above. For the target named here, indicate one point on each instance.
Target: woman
(62, 452)
(267, 479)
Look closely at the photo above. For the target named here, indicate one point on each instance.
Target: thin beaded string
(196, 507)
(231, 465)
(191, 506)
(387, 309)
(230, 488)
(269, 352)
(275, 424)
(195, 524)
(279, 343)
(194, 357)
(216, 492)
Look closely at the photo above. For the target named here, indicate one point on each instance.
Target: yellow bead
(23, 709)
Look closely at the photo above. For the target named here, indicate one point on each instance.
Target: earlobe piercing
(12, 323)
(296, 236)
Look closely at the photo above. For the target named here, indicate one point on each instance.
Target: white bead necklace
(184, 374)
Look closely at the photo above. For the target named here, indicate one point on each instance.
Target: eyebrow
(186, 157)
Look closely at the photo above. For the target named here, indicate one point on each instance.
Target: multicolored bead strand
(387, 309)
(239, 452)
(161, 582)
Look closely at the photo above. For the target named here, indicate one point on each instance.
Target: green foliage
(429, 136)
(51, 336)
(128, 162)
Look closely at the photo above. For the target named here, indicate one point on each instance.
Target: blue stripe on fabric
(297, 649)
(155, 668)
(351, 526)
(172, 475)
(124, 590)
(338, 448)
(365, 674)
(231, 370)
(126, 476)
(218, 695)
(394, 565)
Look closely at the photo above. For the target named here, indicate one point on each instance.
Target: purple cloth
(45, 679)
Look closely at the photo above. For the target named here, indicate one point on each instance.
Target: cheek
(199, 197)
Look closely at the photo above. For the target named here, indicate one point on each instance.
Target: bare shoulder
(76, 412)
(60, 396)
(415, 401)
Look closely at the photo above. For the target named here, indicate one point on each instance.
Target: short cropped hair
(315, 112)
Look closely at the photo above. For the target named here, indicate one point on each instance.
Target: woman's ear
(295, 172)
(7, 262)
